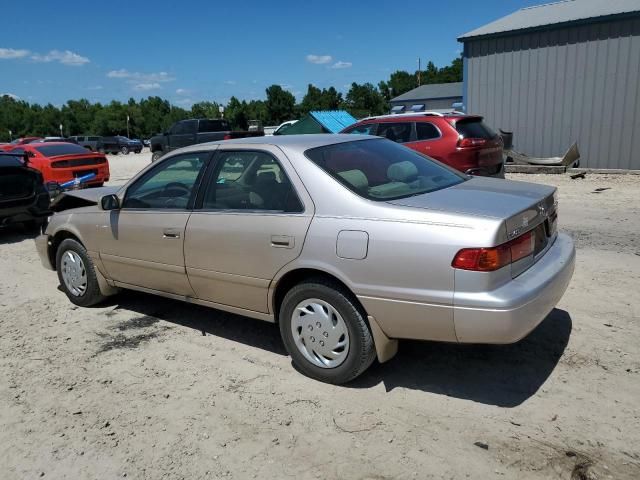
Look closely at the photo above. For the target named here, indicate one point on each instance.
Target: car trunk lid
(522, 207)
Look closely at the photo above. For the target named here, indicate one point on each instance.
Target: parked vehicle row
(349, 243)
(115, 144)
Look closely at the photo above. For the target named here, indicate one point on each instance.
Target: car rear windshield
(474, 128)
(62, 149)
(382, 170)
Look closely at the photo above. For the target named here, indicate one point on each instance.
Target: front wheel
(325, 332)
(77, 274)
(124, 150)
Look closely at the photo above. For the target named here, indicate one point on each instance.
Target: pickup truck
(193, 131)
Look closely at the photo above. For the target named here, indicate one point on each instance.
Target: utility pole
(127, 125)
(10, 135)
(418, 71)
(61, 131)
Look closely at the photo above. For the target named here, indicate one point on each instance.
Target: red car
(60, 162)
(19, 141)
(461, 141)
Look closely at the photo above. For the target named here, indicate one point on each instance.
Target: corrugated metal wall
(554, 87)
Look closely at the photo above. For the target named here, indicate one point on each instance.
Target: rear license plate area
(84, 172)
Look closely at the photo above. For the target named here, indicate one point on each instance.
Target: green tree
(280, 105)
(205, 110)
(364, 100)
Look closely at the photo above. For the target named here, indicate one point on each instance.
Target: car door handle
(282, 241)
(171, 233)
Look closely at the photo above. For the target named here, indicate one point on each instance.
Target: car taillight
(494, 258)
(227, 137)
(471, 142)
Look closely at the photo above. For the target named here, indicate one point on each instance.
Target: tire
(155, 156)
(124, 150)
(315, 296)
(67, 255)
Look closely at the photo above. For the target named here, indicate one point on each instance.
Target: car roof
(419, 116)
(294, 141)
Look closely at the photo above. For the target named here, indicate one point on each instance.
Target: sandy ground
(148, 388)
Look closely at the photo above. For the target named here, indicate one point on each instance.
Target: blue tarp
(333, 120)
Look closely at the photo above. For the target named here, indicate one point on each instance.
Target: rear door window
(184, 128)
(474, 128)
(205, 126)
(399, 132)
(426, 131)
(250, 180)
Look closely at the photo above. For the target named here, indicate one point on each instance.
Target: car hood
(481, 196)
(81, 198)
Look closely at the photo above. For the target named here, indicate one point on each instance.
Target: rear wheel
(124, 150)
(325, 332)
(77, 274)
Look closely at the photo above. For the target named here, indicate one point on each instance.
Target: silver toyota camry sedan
(349, 244)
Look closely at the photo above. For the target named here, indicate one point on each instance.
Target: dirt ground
(149, 388)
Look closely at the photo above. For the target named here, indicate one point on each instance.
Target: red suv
(461, 141)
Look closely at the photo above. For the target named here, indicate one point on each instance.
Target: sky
(190, 51)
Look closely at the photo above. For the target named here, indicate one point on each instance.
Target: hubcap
(74, 273)
(320, 333)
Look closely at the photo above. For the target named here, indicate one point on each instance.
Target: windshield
(474, 128)
(380, 169)
(61, 149)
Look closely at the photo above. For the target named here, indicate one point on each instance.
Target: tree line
(154, 114)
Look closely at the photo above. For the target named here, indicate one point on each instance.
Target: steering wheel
(177, 185)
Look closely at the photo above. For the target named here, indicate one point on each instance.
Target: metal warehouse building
(558, 73)
(435, 96)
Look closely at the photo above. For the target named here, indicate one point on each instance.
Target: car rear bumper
(512, 311)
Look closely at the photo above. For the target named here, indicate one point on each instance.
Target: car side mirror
(110, 202)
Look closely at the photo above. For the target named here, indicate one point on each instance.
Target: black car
(23, 195)
(119, 144)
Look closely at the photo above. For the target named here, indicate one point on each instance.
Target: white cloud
(133, 77)
(341, 64)
(230, 82)
(319, 59)
(66, 57)
(11, 53)
(95, 87)
(182, 91)
(185, 102)
(142, 87)
(12, 95)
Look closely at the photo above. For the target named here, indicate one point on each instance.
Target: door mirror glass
(110, 202)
